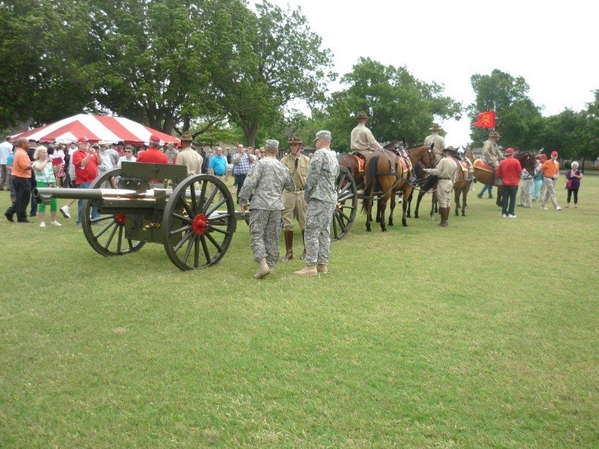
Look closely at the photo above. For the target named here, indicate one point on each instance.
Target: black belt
(548, 177)
(448, 179)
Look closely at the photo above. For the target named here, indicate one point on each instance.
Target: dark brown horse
(354, 162)
(384, 174)
(403, 172)
(484, 173)
(461, 187)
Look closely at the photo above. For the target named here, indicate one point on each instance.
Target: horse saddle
(480, 164)
(467, 166)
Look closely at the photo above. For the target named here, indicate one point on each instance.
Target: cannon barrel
(44, 195)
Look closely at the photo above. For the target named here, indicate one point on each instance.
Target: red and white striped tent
(96, 128)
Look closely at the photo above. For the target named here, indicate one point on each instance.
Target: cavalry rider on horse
(437, 141)
(491, 153)
(362, 141)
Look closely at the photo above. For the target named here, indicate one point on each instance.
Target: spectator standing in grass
(264, 185)
(550, 171)
(509, 170)
(537, 180)
(5, 151)
(21, 178)
(44, 176)
(573, 177)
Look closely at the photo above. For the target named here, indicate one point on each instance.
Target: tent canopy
(96, 128)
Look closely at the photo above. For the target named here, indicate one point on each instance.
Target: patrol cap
(271, 145)
(323, 134)
(294, 138)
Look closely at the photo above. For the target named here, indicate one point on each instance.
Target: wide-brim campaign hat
(494, 134)
(436, 127)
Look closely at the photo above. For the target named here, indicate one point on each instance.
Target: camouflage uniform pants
(265, 227)
(317, 238)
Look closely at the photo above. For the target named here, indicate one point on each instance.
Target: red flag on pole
(485, 120)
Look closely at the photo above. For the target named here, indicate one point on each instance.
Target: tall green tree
(399, 105)
(42, 48)
(154, 68)
(262, 62)
(519, 121)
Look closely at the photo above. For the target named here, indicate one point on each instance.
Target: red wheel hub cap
(200, 224)
(120, 218)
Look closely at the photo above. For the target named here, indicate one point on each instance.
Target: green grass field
(484, 334)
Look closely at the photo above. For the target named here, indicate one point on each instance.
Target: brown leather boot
(303, 256)
(288, 246)
(444, 212)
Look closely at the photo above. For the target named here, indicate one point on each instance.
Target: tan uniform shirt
(191, 159)
(362, 139)
(491, 151)
(438, 145)
(299, 173)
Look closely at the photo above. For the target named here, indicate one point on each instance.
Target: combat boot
(308, 270)
(322, 268)
(288, 246)
(263, 269)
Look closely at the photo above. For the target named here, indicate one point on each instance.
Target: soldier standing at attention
(265, 183)
(295, 204)
(362, 140)
(445, 171)
(437, 141)
(321, 195)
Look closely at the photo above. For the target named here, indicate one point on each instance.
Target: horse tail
(370, 180)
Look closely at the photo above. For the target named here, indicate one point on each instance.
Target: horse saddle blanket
(466, 166)
(404, 163)
(361, 162)
(479, 164)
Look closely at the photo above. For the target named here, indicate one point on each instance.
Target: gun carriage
(194, 219)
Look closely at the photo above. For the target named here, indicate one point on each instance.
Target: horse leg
(382, 207)
(464, 197)
(391, 209)
(410, 206)
(433, 205)
(368, 215)
(404, 221)
(420, 195)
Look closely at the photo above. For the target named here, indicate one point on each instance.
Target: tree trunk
(250, 132)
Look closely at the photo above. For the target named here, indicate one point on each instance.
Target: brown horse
(354, 162)
(402, 167)
(484, 173)
(461, 187)
(384, 174)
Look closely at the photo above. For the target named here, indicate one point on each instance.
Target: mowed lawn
(484, 334)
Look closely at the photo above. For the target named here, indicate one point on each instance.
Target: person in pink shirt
(509, 170)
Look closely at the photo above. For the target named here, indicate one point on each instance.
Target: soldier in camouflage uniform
(265, 184)
(321, 195)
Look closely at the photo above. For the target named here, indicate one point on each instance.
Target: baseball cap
(554, 153)
(154, 138)
(82, 139)
(509, 151)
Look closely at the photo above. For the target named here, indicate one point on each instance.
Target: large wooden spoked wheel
(199, 222)
(347, 204)
(106, 234)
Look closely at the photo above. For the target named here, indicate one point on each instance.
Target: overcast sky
(552, 45)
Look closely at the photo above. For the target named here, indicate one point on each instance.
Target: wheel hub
(200, 224)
